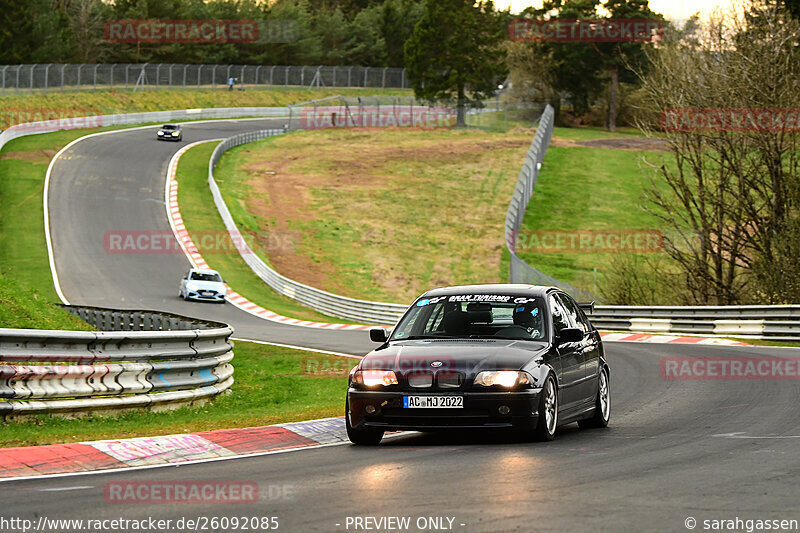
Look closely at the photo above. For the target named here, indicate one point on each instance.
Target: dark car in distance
(511, 357)
(169, 132)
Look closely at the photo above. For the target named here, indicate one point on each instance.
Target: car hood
(465, 355)
(197, 285)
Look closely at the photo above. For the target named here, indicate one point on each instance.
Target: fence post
(158, 72)
(95, 76)
(383, 77)
(33, 67)
(63, 67)
(199, 69)
(111, 77)
(183, 84)
(258, 68)
(366, 70)
(4, 78)
(79, 76)
(271, 70)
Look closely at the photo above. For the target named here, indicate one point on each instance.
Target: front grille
(449, 380)
(420, 380)
(441, 380)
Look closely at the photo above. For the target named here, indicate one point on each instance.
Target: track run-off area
(675, 449)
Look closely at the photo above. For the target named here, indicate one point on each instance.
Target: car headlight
(175, 134)
(503, 378)
(161, 133)
(373, 378)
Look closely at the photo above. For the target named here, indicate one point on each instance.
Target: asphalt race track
(115, 183)
(675, 449)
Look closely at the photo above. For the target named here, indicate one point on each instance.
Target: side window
(560, 319)
(576, 316)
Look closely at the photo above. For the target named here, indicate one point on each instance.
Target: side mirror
(378, 335)
(570, 335)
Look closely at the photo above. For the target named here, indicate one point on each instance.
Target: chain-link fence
(519, 270)
(65, 77)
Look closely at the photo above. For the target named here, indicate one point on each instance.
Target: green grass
(30, 107)
(202, 218)
(23, 251)
(24, 307)
(272, 385)
(381, 214)
(581, 188)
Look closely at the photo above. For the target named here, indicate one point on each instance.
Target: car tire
(547, 421)
(602, 407)
(361, 437)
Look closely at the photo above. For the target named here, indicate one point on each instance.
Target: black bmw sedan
(520, 357)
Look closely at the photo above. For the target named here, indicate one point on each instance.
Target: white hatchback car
(200, 284)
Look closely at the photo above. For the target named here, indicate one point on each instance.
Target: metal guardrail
(770, 322)
(127, 119)
(519, 270)
(138, 359)
(183, 76)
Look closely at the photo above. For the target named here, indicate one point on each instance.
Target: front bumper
(194, 295)
(480, 411)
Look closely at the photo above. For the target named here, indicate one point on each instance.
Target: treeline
(323, 32)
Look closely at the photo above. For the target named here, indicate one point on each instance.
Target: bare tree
(730, 195)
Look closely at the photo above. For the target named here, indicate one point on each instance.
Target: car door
(570, 357)
(589, 347)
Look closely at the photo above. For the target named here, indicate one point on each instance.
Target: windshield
(199, 276)
(474, 316)
(167, 127)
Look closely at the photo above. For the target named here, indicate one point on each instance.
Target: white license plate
(433, 402)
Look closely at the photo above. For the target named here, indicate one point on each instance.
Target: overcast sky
(672, 9)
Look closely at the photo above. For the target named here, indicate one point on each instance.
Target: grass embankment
(27, 296)
(202, 218)
(597, 191)
(379, 214)
(26, 308)
(272, 385)
(31, 107)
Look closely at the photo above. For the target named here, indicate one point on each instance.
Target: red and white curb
(192, 253)
(666, 339)
(120, 454)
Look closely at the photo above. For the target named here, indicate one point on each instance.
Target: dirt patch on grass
(32, 156)
(634, 143)
(384, 214)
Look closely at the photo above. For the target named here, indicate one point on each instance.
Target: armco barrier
(770, 322)
(127, 119)
(519, 270)
(140, 359)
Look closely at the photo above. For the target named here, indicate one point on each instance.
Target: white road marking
(63, 489)
(743, 435)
